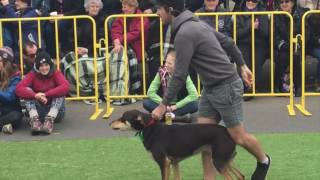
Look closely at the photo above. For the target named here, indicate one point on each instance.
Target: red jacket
(133, 32)
(55, 85)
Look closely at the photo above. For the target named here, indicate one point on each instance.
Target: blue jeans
(43, 109)
(316, 53)
(191, 107)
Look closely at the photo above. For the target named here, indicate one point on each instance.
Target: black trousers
(13, 117)
(282, 62)
(261, 55)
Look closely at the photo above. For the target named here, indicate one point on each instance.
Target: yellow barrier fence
(302, 105)
(55, 20)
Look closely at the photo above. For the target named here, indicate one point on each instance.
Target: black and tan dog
(169, 144)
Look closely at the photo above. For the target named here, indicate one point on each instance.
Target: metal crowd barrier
(56, 19)
(302, 105)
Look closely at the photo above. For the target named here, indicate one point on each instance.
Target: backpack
(86, 74)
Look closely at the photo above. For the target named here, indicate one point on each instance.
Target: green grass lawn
(294, 157)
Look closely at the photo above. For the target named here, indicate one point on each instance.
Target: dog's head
(131, 120)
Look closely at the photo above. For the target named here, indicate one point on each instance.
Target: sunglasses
(286, 1)
(254, 1)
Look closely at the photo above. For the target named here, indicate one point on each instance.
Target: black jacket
(282, 27)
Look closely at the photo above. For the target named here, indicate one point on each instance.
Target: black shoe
(261, 170)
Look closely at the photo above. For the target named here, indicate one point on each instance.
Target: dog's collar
(151, 122)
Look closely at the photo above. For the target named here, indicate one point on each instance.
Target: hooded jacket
(206, 50)
(8, 99)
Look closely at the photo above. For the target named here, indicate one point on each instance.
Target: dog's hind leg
(176, 171)
(226, 173)
(236, 171)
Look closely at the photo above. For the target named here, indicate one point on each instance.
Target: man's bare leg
(247, 141)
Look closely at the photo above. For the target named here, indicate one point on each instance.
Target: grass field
(294, 157)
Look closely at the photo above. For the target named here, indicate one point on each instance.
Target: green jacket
(155, 85)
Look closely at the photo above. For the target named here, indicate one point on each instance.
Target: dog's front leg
(166, 169)
(176, 171)
(164, 164)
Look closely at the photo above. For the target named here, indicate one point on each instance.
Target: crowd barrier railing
(302, 105)
(55, 20)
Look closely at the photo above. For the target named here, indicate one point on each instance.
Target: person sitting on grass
(44, 90)
(10, 110)
(187, 100)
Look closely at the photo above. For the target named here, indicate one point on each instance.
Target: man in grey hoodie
(208, 51)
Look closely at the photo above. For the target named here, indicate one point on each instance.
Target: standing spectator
(282, 44)
(10, 110)
(186, 101)
(44, 91)
(29, 28)
(133, 29)
(261, 43)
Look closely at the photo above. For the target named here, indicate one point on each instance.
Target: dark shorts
(223, 102)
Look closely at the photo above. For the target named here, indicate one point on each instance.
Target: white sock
(266, 161)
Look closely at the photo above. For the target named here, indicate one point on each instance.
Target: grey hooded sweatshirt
(206, 50)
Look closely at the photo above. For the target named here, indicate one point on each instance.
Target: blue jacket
(8, 99)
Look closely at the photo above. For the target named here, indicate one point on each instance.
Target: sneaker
(91, 101)
(36, 125)
(120, 102)
(48, 125)
(261, 170)
(7, 129)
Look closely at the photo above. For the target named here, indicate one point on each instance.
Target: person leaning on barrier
(133, 29)
(282, 45)
(10, 109)
(44, 90)
(200, 46)
(186, 101)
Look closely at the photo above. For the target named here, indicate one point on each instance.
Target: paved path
(263, 115)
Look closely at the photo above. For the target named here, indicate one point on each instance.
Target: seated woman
(44, 90)
(187, 99)
(10, 110)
